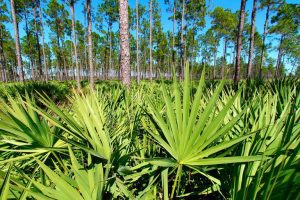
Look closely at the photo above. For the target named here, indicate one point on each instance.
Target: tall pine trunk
(137, 41)
(239, 42)
(181, 67)
(90, 42)
(150, 43)
(279, 57)
(262, 58)
(2, 57)
(251, 48)
(43, 42)
(215, 61)
(17, 41)
(124, 42)
(32, 66)
(224, 58)
(110, 46)
(38, 44)
(106, 59)
(65, 72)
(173, 33)
(74, 44)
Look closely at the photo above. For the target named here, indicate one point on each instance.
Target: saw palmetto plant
(160, 140)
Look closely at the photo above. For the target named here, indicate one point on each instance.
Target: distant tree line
(118, 41)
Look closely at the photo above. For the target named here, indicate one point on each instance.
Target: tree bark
(224, 58)
(17, 41)
(124, 42)
(150, 43)
(173, 33)
(74, 44)
(65, 73)
(43, 42)
(251, 49)
(264, 41)
(137, 41)
(278, 63)
(58, 68)
(181, 67)
(32, 66)
(215, 61)
(239, 42)
(89, 19)
(106, 59)
(110, 47)
(38, 44)
(2, 57)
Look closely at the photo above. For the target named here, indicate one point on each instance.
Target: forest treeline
(115, 40)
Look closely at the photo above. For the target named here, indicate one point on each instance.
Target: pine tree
(124, 42)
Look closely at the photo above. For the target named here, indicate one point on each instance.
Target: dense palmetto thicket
(110, 39)
(160, 140)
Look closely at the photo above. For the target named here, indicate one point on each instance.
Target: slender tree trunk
(264, 42)
(110, 47)
(173, 33)
(278, 63)
(181, 68)
(89, 18)
(137, 41)
(32, 70)
(239, 42)
(17, 41)
(150, 43)
(191, 57)
(81, 67)
(2, 56)
(106, 59)
(75, 45)
(224, 58)
(43, 42)
(32, 66)
(85, 63)
(215, 61)
(66, 74)
(38, 44)
(145, 61)
(71, 63)
(251, 49)
(124, 42)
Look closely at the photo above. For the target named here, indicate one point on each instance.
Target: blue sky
(233, 5)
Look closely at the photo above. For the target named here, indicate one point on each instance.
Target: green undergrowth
(161, 140)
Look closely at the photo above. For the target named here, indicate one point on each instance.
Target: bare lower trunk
(66, 74)
(137, 41)
(110, 48)
(239, 42)
(32, 66)
(124, 42)
(43, 43)
(38, 44)
(89, 19)
(173, 33)
(32, 70)
(215, 62)
(224, 58)
(2, 57)
(150, 43)
(106, 59)
(17, 41)
(251, 49)
(278, 63)
(181, 67)
(264, 42)
(75, 46)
